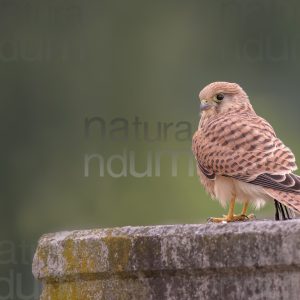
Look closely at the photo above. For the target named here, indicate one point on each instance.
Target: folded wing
(245, 147)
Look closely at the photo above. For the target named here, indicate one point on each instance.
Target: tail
(283, 212)
(287, 199)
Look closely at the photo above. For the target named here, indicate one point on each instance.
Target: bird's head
(218, 97)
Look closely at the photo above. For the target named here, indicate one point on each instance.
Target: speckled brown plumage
(233, 141)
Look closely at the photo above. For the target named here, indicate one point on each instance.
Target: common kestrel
(239, 156)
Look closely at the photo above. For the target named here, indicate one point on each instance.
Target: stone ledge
(249, 260)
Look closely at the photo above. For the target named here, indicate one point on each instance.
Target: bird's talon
(234, 218)
(251, 217)
(245, 216)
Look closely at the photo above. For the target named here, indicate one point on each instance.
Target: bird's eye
(219, 97)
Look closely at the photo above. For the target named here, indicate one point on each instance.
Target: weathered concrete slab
(250, 260)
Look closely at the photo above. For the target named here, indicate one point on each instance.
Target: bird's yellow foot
(234, 218)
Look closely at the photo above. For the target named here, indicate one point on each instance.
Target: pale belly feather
(225, 187)
(222, 189)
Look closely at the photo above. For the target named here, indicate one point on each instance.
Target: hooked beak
(204, 105)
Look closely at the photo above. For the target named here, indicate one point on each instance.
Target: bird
(239, 158)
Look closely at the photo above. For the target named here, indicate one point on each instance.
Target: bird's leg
(231, 209)
(245, 207)
(243, 215)
(229, 217)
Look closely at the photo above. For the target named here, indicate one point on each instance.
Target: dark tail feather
(282, 212)
(277, 210)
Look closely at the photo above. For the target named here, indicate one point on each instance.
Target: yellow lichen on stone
(41, 257)
(77, 290)
(119, 248)
(77, 257)
(70, 259)
(60, 291)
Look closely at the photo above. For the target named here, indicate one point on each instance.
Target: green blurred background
(65, 62)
